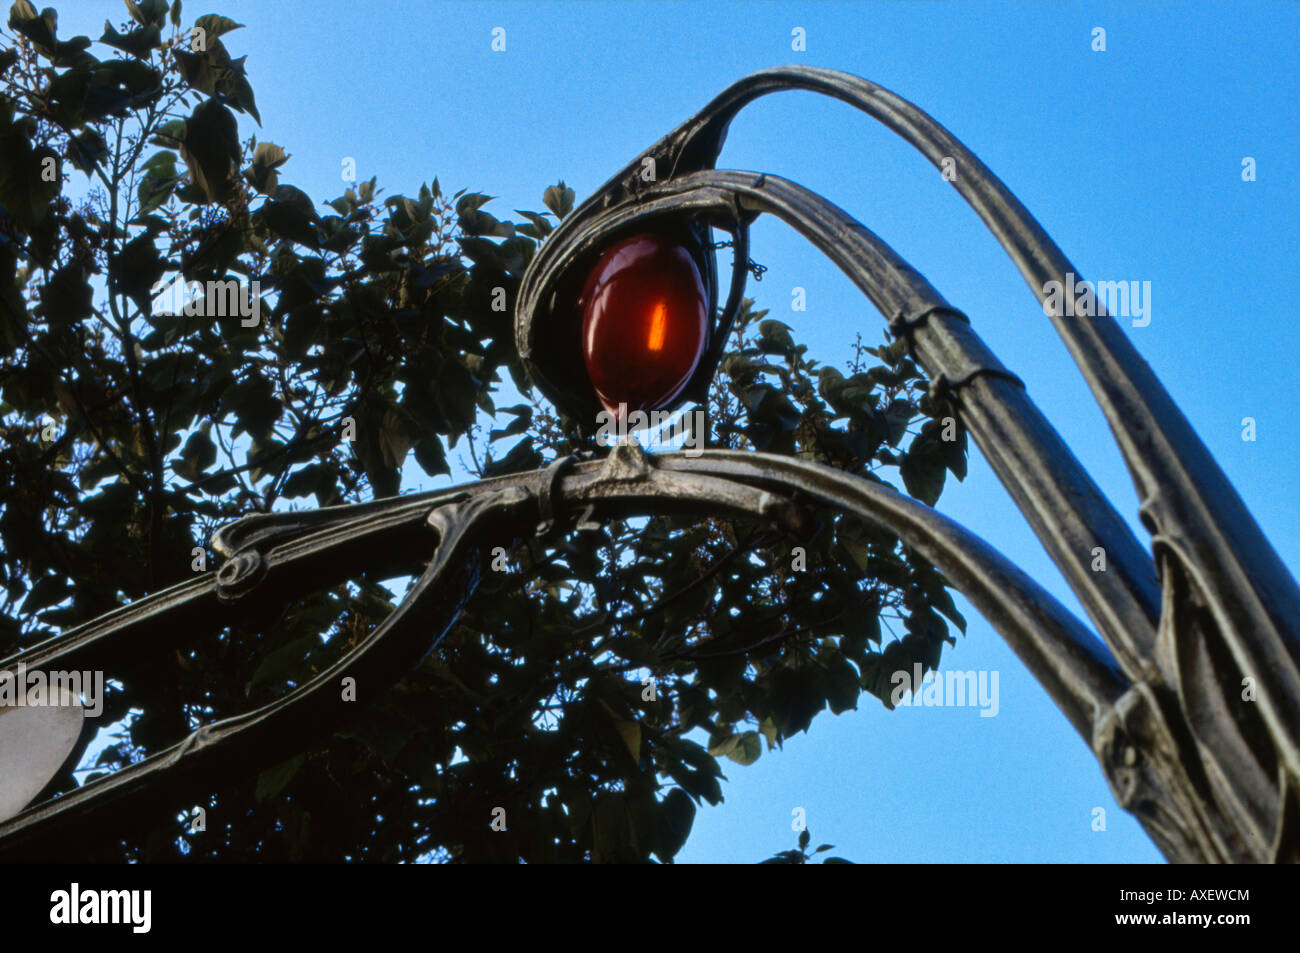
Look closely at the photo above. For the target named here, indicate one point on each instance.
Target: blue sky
(1130, 158)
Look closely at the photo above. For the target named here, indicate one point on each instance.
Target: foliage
(592, 688)
(800, 855)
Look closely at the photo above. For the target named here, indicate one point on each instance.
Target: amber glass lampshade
(645, 322)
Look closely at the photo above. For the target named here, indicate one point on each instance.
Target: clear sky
(1130, 158)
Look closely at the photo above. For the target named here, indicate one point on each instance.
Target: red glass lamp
(644, 322)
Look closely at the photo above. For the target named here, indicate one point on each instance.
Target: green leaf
(212, 71)
(214, 25)
(923, 475)
(954, 454)
(291, 214)
(394, 439)
(25, 191)
(897, 416)
(261, 174)
(67, 297)
(48, 591)
(678, 818)
(797, 696)
(134, 76)
(86, 150)
(235, 86)
(747, 750)
(37, 27)
(522, 457)
(148, 11)
(559, 199)
(139, 42)
(628, 730)
(274, 780)
(472, 202)
(942, 601)
(211, 149)
(255, 406)
(21, 10)
(725, 746)
(523, 415)
(842, 685)
(285, 661)
(539, 222)
(159, 182)
(804, 837)
(136, 269)
(610, 828)
(170, 134)
(306, 480)
(199, 453)
(431, 457)
(774, 336)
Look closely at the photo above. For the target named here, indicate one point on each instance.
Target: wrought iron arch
(1210, 776)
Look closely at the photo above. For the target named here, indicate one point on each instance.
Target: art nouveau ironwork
(1190, 699)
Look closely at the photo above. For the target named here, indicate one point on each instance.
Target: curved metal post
(1212, 775)
(1208, 632)
(443, 537)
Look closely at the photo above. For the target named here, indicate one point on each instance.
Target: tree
(326, 350)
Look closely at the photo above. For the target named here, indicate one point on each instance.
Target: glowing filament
(658, 325)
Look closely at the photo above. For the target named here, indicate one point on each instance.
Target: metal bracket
(546, 498)
(943, 389)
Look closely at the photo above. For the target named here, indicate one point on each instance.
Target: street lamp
(1213, 775)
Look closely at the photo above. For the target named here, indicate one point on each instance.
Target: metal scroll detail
(1190, 699)
(1204, 745)
(453, 529)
